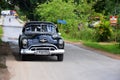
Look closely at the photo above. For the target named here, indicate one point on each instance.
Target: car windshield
(41, 28)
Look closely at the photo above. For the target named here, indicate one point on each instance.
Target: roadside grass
(72, 40)
(1, 32)
(68, 38)
(109, 47)
(113, 48)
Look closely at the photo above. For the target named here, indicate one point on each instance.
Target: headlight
(24, 41)
(61, 41)
(61, 44)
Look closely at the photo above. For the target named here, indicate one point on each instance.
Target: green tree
(27, 6)
(83, 10)
(107, 6)
(54, 10)
(4, 4)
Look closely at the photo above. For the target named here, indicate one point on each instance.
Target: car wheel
(60, 57)
(22, 57)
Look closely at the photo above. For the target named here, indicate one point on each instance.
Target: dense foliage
(52, 11)
(104, 31)
(5, 5)
(107, 7)
(28, 6)
(25, 6)
(76, 13)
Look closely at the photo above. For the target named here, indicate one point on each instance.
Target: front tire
(22, 57)
(60, 57)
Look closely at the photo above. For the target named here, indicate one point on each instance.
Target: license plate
(42, 52)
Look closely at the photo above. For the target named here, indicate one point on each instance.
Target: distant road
(78, 64)
(11, 21)
(12, 28)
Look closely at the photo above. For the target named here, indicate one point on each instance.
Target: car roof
(37, 22)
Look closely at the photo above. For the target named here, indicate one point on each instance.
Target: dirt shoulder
(79, 44)
(4, 51)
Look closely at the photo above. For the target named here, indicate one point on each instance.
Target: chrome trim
(26, 51)
(43, 40)
(41, 45)
(43, 48)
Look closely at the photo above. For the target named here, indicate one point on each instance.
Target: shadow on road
(14, 54)
(35, 58)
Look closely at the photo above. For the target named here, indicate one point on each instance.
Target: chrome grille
(42, 48)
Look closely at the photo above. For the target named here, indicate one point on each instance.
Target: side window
(51, 28)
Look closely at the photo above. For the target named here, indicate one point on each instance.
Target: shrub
(104, 31)
(23, 17)
(85, 33)
(117, 37)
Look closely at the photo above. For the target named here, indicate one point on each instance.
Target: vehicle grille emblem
(43, 40)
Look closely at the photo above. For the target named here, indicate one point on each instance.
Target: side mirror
(57, 29)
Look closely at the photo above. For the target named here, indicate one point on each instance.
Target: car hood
(42, 39)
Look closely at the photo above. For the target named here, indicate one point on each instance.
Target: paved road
(11, 29)
(78, 64)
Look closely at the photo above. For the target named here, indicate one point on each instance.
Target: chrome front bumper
(38, 52)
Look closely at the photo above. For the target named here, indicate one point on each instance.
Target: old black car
(41, 38)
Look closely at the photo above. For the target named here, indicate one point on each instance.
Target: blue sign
(61, 21)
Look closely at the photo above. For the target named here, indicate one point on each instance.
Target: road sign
(61, 21)
(113, 19)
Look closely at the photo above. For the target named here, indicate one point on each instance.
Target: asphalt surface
(78, 64)
(12, 29)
